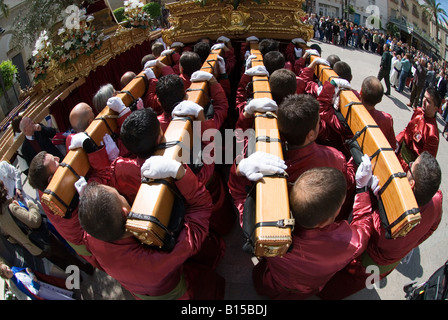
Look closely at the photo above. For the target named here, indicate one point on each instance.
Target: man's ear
(125, 212)
(412, 183)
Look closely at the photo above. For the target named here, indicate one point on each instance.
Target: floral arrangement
(78, 39)
(135, 15)
(42, 55)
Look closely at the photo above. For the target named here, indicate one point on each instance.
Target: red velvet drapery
(110, 73)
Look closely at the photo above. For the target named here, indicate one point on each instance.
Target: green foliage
(393, 29)
(436, 12)
(39, 15)
(9, 72)
(153, 9)
(4, 8)
(119, 14)
(350, 9)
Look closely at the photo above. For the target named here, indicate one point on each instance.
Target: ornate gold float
(276, 19)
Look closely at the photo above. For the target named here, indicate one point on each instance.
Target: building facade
(414, 24)
(360, 12)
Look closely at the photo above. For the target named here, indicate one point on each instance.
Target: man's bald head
(371, 92)
(126, 78)
(81, 116)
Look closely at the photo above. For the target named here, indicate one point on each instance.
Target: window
(415, 11)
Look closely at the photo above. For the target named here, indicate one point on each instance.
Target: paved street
(236, 266)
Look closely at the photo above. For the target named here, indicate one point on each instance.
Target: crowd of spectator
(345, 33)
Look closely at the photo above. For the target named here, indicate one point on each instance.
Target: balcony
(411, 28)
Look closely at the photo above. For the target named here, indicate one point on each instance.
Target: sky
(444, 4)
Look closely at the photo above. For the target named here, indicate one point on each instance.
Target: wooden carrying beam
(151, 210)
(61, 190)
(273, 237)
(400, 207)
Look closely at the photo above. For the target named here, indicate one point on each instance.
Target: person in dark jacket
(37, 138)
(386, 63)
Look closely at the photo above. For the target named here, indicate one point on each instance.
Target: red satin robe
(384, 252)
(297, 160)
(147, 271)
(421, 134)
(316, 255)
(70, 228)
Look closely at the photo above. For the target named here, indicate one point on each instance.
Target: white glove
(223, 39)
(375, 186)
(77, 140)
(252, 38)
(341, 83)
(176, 44)
(140, 104)
(246, 54)
(313, 52)
(364, 172)
(111, 147)
(80, 185)
(218, 46)
(167, 52)
(199, 76)
(150, 63)
(321, 61)
(149, 73)
(259, 164)
(116, 104)
(298, 41)
(298, 52)
(260, 105)
(187, 108)
(249, 60)
(158, 167)
(221, 65)
(257, 71)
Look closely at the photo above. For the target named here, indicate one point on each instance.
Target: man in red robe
(421, 133)
(146, 272)
(298, 123)
(42, 168)
(371, 94)
(424, 175)
(320, 245)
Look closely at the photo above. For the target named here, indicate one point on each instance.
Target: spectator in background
(37, 138)
(100, 98)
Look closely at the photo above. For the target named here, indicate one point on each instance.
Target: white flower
(39, 44)
(43, 35)
(67, 45)
(90, 18)
(61, 31)
(86, 38)
(35, 52)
